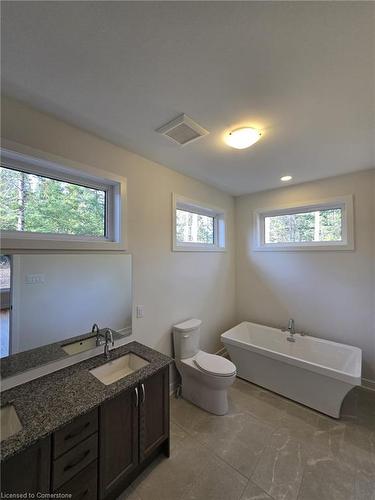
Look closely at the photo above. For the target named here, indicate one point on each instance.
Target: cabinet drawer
(84, 485)
(74, 433)
(74, 460)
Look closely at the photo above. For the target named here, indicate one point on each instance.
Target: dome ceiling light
(242, 138)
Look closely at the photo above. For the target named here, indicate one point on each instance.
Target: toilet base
(214, 400)
(218, 404)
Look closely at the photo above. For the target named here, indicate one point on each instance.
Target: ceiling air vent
(182, 130)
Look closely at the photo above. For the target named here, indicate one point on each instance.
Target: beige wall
(172, 286)
(77, 291)
(330, 294)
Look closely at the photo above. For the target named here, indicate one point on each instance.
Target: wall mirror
(49, 303)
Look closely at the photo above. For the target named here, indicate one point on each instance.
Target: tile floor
(266, 447)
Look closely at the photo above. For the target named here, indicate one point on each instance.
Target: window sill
(39, 243)
(190, 248)
(334, 247)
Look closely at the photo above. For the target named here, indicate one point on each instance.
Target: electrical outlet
(140, 311)
(34, 279)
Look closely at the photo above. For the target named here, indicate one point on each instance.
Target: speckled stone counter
(33, 358)
(46, 404)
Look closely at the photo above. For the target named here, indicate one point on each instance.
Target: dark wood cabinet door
(154, 412)
(29, 471)
(118, 448)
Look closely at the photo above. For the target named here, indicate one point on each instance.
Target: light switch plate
(140, 311)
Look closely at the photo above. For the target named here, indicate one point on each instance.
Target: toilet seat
(214, 364)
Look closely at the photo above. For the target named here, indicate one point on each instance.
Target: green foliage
(323, 225)
(330, 225)
(194, 228)
(39, 204)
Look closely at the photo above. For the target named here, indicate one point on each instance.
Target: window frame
(30, 161)
(345, 203)
(219, 216)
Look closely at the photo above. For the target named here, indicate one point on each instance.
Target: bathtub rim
(348, 377)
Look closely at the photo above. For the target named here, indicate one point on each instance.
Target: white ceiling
(303, 72)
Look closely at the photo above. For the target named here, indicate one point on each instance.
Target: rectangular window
(194, 228)
(197, 227)
(321, 225)
(49, 205)
(38, 204)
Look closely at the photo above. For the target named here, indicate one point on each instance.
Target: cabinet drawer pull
(136, 397)
(143, 393)
(76, 433)
(76, 462)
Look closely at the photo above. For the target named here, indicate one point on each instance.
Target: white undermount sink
(9, 422)
(80, 345)
(119, 368)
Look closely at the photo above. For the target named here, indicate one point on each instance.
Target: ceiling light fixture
(286, 178)
(242, 138)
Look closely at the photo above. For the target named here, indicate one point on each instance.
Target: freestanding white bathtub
(315, 372)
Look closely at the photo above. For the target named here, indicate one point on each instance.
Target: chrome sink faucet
(108, 336)
(99, 336)
(291, 329)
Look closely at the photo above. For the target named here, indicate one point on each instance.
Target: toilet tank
(186, 338)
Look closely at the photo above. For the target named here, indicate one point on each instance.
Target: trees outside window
(320, 225)
(33, 203)
(195, 228)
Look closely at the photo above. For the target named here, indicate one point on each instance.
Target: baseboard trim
(173, 387)
(222, 352)
(368, 384)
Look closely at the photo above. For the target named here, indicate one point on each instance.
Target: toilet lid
(217, 365)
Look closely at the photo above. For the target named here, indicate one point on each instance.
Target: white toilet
(205, 377)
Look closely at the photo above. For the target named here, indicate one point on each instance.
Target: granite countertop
(48, 403)
(33, 358)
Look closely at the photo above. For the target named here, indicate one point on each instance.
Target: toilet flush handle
(186, 336)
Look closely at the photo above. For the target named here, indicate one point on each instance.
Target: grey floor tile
(364, 487)
(327, 480)
(186, 415)
(264, 405)
(280, 468)
(191, 472)
(170, 479)
(238, 438)
(253, 492)
(177, 436)
(350, 443)
(216, 481)
(288, 451)
(129, 494)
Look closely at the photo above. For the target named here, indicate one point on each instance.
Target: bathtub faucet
(291, 329)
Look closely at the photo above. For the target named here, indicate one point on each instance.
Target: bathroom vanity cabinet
(28, 471)
(99, 453)
(133, 426)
